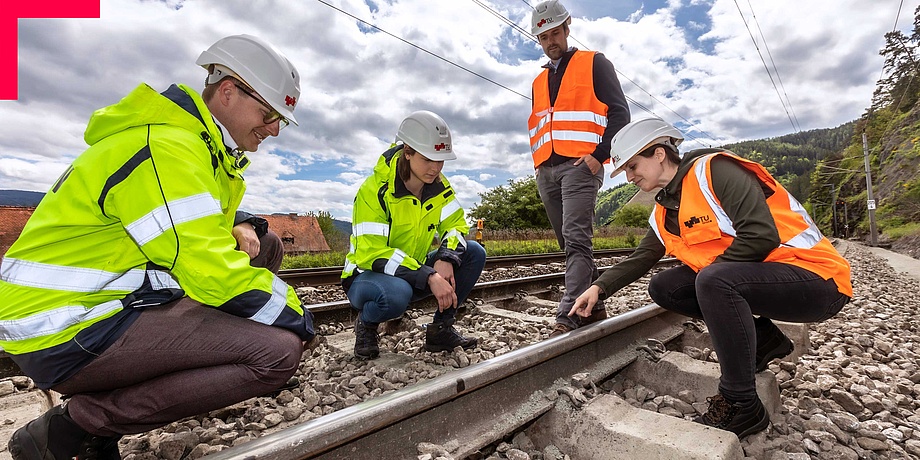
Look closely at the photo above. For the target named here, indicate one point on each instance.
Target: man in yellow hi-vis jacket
(131, 290)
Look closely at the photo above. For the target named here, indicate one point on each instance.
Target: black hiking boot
(739, 418)
(771, 343)
(443, 337)
(366, 346)
(55, 435)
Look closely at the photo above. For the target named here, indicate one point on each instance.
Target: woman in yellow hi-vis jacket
(405, 205)
(748, 248)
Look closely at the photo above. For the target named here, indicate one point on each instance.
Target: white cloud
(695, 57)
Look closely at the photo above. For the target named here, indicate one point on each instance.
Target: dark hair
(403, 169)
(670, 152)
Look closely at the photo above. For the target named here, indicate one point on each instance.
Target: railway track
(331, 275)
(471, 407)
(474, 406)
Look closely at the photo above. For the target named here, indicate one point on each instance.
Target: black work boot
(771, 343)
(442, 336)
(366, 346)
(55, 435)
(739, 418)
(99, 448)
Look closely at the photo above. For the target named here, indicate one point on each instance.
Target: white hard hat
(548, 15)
(639, 135)
(260, 65)
(428, 134)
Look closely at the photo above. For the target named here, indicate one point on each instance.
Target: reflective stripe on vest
(53, 321)
(575, 123)
(275, 305)
(73, 279)
(801, 243)
(163, 218)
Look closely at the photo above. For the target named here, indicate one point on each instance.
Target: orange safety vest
(706, 230)
(575, 124)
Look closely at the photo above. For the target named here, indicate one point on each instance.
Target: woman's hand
(443, 291)
(585, 302)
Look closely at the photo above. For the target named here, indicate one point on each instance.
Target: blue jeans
(380, 297)
(726, 295)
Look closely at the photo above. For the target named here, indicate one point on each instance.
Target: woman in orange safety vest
(748, 248)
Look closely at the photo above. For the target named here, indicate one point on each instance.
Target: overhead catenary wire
(773, 63)
(526, 34)
(421, 48)
(633, 101)
(773, 82)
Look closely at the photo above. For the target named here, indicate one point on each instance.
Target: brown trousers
(179, 360)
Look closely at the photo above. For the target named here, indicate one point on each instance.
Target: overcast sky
(692, 62)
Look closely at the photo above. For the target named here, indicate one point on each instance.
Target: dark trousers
(727, 295)
(179, 360)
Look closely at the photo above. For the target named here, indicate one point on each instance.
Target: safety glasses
(272, 115)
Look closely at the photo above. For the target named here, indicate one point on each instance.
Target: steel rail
(332, 275)
(488, 291)
(474, 406)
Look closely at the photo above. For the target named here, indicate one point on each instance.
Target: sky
(721, 70)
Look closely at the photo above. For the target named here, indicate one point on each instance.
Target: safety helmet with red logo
(258, 64)
(639, 135)
(548, 15)
(428, 134)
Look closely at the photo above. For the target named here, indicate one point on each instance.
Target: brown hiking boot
(596, 315)
(559, 329)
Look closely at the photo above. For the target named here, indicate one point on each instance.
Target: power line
(773, 63)
(636, 103)
(765, 65)
(421, 49)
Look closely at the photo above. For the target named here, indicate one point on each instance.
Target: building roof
(299, 233)
(12, 221)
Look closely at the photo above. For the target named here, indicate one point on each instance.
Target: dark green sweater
(741, 195)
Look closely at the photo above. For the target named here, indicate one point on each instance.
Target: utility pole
(873, 232)
(833, 209)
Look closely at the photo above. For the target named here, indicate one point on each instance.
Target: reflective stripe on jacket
(393, 231)
(575, 123)
(706, 230)
(143, 216)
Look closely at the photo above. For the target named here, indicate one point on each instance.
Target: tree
(632, 215)
(515, 206)
(608, 201)
(336, 240)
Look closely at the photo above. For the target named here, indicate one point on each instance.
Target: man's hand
(246, 239)
(593, 164)
(446, 270)
(443, 291)
(585, 302)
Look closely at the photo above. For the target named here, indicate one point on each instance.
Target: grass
(497, 243)
(895, 232)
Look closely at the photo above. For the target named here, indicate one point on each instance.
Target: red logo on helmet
(541, 23)
(291, 101)
(441, 146)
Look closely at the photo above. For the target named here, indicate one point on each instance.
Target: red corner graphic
(11, 12)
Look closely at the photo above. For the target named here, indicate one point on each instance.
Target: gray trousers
(179, 360)
(569, 194)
